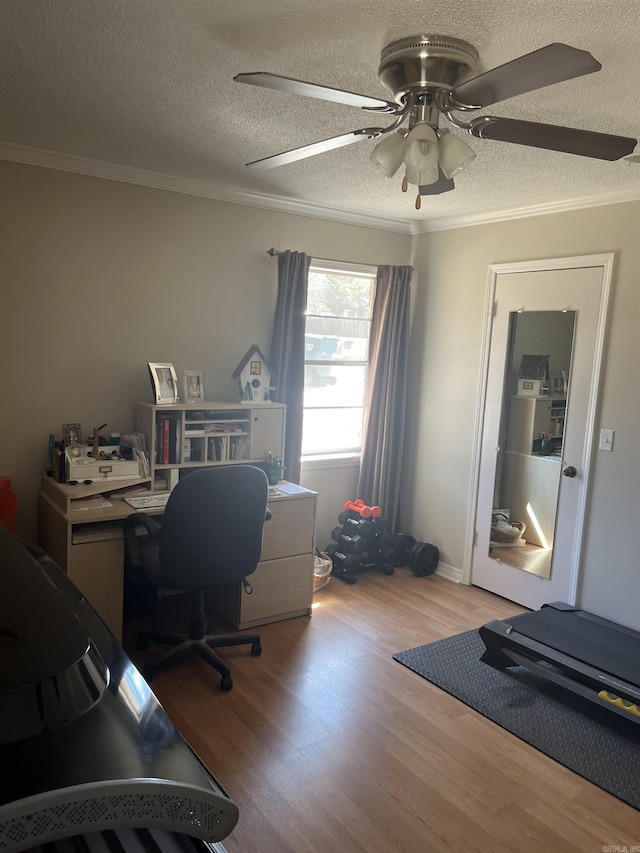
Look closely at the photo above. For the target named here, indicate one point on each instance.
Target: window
(339, 306)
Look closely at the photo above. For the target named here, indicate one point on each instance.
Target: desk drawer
(290, 530)
(282, 589)
(279, 587)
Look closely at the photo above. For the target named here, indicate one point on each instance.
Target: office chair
(211, 534)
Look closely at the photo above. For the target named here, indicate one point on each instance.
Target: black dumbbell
(379, 525)
(355, 544)
(353, 520)
(336, 533)
(398, 549)
(346, 562)
(424, 559)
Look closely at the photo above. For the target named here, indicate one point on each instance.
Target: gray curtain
(287, 351)
(383, 444)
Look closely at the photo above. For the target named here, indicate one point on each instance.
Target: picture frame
(164, 382)
(193, 386)
(72, 434)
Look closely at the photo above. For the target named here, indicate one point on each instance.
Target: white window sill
(330, 460)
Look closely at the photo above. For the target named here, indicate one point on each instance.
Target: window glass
(338, 324)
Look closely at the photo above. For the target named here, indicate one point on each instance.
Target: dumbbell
(379, 525)
(356, 522)
(376, 512)
(363, 510)
(398, 549)
(345, 562)
(355, 543)
(424, 559)
(348, 562)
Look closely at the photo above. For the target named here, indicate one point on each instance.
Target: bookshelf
(529, 417)
(180, 436)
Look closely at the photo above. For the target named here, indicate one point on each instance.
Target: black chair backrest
(212, 527)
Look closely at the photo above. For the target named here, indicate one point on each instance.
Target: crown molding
(447, 223)
(131, 175)
(189, 186)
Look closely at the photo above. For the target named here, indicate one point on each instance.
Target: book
(165, 441)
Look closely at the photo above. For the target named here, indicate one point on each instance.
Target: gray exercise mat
(599, 745)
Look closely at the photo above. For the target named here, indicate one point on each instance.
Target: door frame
(606, 262)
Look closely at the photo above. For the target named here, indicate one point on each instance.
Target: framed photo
(72, 434)
(164, 383)
(193, 386)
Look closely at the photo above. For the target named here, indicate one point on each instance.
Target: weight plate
(402, 543)
(423, 559)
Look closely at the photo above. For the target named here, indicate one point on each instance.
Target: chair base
(183, 644)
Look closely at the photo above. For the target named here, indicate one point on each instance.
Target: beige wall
(99, 277)
(445, 359)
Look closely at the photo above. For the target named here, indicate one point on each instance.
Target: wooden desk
(89, 546)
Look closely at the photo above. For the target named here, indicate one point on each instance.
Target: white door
(579, 285)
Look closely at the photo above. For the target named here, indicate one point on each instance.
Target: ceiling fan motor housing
(425, 62)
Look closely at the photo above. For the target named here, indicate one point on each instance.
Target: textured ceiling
(148, 84)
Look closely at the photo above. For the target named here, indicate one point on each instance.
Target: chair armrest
(132, 548)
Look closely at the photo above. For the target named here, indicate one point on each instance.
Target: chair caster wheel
(388, 570)
(141, 644)
(226, 682)
(256, 650)
(147, 672)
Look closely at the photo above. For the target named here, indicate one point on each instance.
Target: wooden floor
(529, 558)
(328, 745)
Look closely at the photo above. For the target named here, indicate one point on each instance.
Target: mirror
(532, 425)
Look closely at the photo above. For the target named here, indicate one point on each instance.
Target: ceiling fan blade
(585, 143)
(554, 63)
(442, 185)
(312, 149)
(313, 90)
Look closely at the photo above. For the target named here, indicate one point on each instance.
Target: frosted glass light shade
(421, 155)
(455, 154)
(422, 177)
(388, 153)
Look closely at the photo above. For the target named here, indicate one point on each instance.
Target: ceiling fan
(430, 78)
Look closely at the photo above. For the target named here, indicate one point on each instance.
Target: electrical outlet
(606, 439)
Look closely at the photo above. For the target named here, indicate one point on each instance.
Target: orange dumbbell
(363, 511)
(376, 512)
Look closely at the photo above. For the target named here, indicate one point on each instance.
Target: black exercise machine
(593, 657)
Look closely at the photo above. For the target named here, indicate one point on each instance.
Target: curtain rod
(275, 252)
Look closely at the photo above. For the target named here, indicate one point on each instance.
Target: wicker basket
(322, 571)
(499, 534)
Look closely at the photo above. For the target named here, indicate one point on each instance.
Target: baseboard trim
(449, 572)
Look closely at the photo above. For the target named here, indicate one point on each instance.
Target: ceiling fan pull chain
(405, 184)
(418, 201)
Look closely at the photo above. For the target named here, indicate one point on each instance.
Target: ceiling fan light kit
(388, 154)
(431, 78)
(455, 154)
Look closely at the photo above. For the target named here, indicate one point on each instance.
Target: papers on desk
(156, 501)
(90, 502)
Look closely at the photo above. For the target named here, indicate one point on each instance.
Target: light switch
(606, 439)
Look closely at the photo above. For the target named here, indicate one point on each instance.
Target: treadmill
(596, 659)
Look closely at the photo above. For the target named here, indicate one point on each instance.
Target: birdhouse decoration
(533, 376)
(254, 377)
